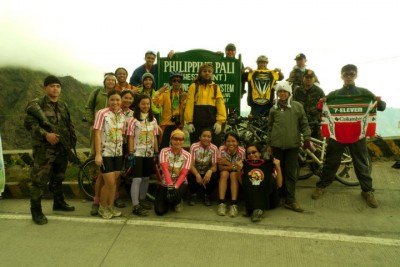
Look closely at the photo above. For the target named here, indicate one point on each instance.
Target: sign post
(227, 72)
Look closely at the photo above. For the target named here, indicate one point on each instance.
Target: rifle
(35, 110)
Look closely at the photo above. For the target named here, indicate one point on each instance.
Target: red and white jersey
(176, 163)
(239, 155)
(203, 157)
(112, 126)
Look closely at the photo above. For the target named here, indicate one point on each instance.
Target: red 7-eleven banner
(349, 118)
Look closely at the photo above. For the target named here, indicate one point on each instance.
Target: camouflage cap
(300, 56)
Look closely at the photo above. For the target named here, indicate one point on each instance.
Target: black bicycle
(89, 172)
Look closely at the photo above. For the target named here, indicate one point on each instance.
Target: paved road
(337, 230)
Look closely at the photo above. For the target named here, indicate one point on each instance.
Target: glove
(306, 144)
(131, 160)
(190, 128)
(172, 194)
(217, 128)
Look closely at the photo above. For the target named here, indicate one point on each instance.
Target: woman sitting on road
(260, 180)
(202, 178)
(230, 154)
(175, 163)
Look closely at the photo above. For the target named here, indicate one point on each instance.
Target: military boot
(60, 204)
(37, 214)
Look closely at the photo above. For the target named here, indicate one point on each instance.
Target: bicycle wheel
(305, 171)
(87, 177)
(345, 173)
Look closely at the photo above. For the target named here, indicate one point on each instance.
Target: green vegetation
(20, 85)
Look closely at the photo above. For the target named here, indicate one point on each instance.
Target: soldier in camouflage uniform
(309, 94)
(297, 74)
(53, 136)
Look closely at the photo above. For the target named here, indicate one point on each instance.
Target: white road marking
(222, 228)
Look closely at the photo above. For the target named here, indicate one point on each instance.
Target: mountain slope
(20, 85)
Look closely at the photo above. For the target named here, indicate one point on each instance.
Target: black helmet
(175, 74)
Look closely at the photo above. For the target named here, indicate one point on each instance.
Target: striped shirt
(176, 163)
(238, 156)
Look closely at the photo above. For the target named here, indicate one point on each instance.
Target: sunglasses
(349, 74)
(176, 81)
(177, 138)
(252, 152)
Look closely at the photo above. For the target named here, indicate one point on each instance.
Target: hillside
(18, 86)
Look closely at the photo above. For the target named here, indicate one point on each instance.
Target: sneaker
(256, 216)
(318, 192)
(119, 203)
(179, 207)
(192, 200)
(139, 211)
(370, 198)
(95, 210)
(221, 211)
(207, 200)
(146, 204)
(114, 212)
(293, 206)
(233, 210)
(105, 212)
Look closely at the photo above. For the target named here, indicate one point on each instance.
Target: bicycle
(311, 163)
(89, 173)
(249, 129)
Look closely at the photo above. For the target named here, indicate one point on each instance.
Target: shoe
(60, 204)
(139, 211)
(37, 213)
(256, 216)
(370, 198)
(119, 203)
(233, 210)
(95, 210)
(221, 211)
(114, 212)
(318, 192)
(293, 206)
(192, 200)
(179, 207)
(104, 212)
(146, 204)
(207, 200)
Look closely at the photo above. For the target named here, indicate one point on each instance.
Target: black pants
(289, 166)
(161, 205)
(361, 163)
(264, 196)
(194, 187)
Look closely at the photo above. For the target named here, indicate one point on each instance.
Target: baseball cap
(299, 56)
(309, 73)
(262, 58)
(349, 67)
(230, 46)
(150, 53)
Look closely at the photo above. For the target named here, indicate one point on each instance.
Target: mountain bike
(249, 129)
(311, 161)
(89, 172)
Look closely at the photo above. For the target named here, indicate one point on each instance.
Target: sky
(87, 38)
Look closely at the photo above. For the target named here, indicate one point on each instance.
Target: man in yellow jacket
(205, 106)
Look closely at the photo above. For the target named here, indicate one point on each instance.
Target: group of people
(135, 124)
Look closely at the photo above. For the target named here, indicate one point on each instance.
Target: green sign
(227, 72)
